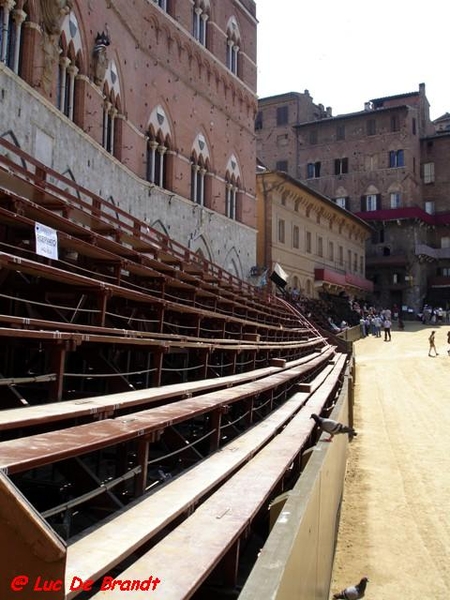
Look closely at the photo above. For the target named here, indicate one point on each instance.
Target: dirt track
(395, 523)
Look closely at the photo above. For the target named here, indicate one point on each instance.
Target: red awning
(343, 279)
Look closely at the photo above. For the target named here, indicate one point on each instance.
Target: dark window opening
(340, 166)
(282, 115)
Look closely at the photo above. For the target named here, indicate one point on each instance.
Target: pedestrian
(432, 344)
(387, 324)
(362, 325)
(377, 325)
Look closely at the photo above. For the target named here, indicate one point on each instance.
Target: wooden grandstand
(152, 404)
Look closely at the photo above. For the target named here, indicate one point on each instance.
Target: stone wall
(38, 128)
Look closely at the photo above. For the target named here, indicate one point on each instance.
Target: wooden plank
(111, 404)
(72, 235)
(32, 451)
(15, 263)
(101, 549)
(187, 555)
(33, 323)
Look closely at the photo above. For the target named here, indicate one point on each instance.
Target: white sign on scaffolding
(46, 241)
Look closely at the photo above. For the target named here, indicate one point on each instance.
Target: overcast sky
(348, 52)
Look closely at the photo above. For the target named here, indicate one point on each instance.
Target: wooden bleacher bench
(29, 452)
(136, 262)
(23, 177)
(100, 407)
(188, 554)
(11, 262)
(150, 515)
(43, 324)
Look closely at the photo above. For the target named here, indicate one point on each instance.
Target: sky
(349, 51)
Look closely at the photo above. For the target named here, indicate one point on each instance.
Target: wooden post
(103, 298)
(142, 458)
(158, 362)
(205, 357)
(351, 400)
(57, 363)
(231, 564)
(249, 403)
(216, 419)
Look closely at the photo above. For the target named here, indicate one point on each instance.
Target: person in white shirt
(387, 329)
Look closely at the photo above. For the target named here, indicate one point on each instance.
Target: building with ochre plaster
(320, 246)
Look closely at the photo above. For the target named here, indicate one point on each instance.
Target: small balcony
(429, 253)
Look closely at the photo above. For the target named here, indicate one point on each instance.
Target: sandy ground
(395, 522)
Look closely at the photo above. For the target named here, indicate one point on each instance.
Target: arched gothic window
(198, 174)
(200, 182)
(110, 112)
(159, 158)
(111, 109)
(11, 21)
(231, 195)
(156, 160)
(232, 186)
(200, 19)
(233, 43)
(66, 83)
(69, 49)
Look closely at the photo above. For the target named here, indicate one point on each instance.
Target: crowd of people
(434, 315)
(377, 323)
(372, 321)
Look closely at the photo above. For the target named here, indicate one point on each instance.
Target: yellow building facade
(320, 245)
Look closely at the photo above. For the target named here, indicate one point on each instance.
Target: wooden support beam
(231, 564)
(215, 423)
(249, 403)
(39, 184)
(197, 324)
(158, 356)
(57, 364)
(160, 310)
(102, 304)
(142, 459)
(204, 354)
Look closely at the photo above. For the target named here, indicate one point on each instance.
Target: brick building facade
(149, 104)
(385, 164)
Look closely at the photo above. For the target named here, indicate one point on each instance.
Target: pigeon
(353, 592)
(333, 427)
